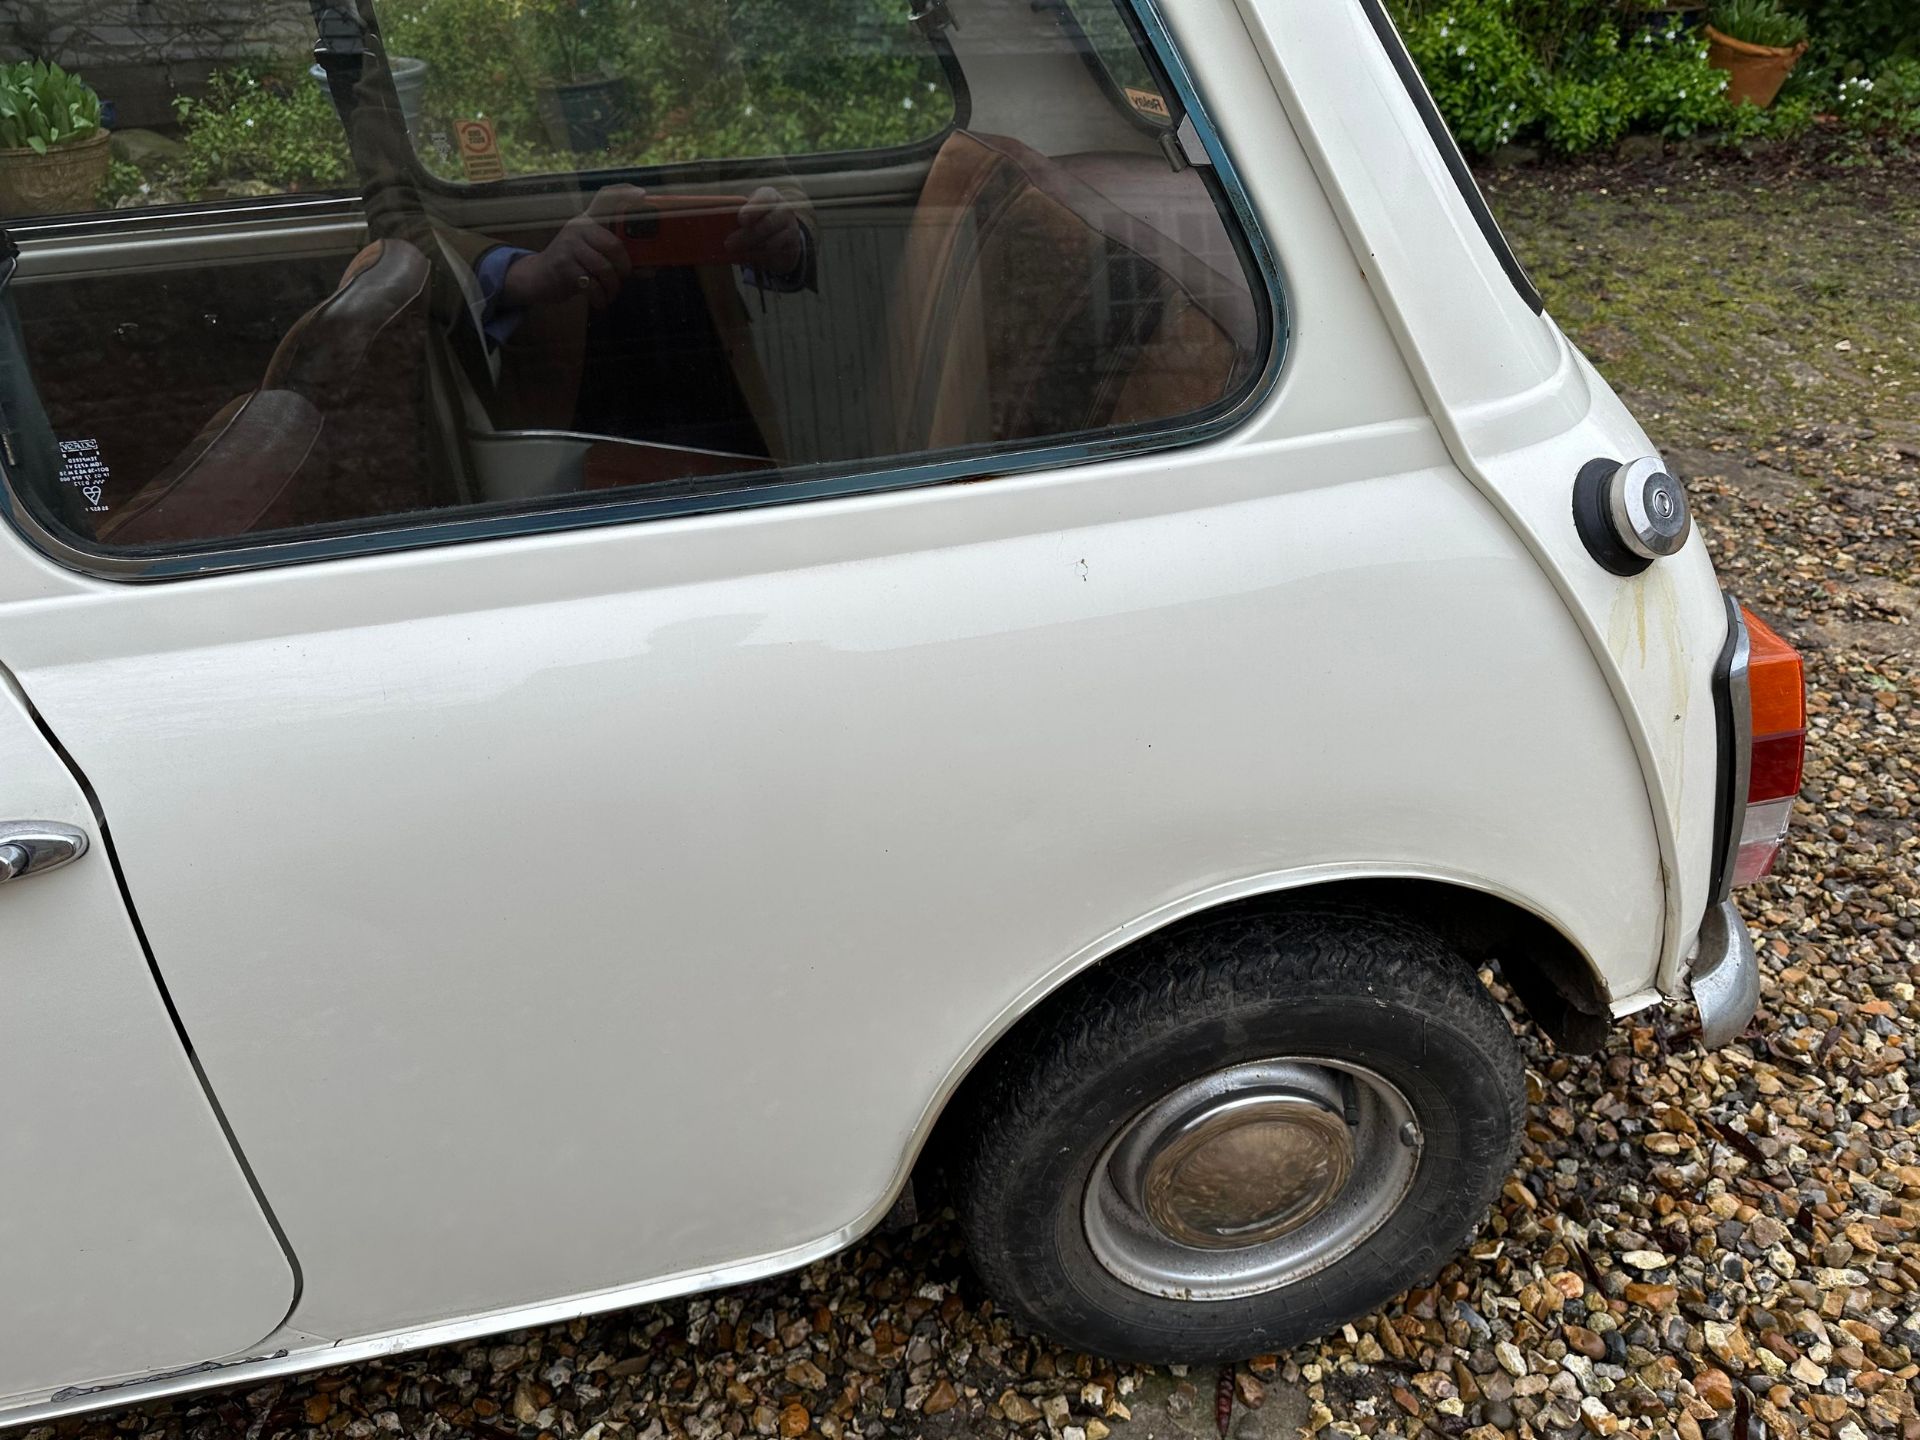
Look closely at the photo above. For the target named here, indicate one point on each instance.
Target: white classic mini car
(588, 698)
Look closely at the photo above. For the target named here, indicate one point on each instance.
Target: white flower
(906, 102)
(1459, 49)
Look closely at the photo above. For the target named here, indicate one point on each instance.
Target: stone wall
(141, 53)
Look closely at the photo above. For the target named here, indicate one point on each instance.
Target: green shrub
(1605, 82)
(1886, 103)
(41, 106)
(1861, 35)
(277, 132)
(1759, 22)
(480, 59)
(1656, 80)
(1483, 76)
(750, 77)
(124, 182)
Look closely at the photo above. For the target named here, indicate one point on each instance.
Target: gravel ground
(1692, 1245)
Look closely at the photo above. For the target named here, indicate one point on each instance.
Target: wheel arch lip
(1273, 885)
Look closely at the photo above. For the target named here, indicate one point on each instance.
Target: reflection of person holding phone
(594, 255)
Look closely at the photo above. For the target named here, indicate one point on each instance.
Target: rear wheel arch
(1560, 988)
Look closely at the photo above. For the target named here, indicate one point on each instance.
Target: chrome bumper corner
(1726, 976)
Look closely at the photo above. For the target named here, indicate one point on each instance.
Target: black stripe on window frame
(1450, 152)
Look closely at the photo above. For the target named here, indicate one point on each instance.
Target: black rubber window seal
(1450, 152)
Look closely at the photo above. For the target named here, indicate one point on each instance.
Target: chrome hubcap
(1246, 1179)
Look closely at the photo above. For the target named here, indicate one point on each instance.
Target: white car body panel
(130, 1239)
(1520, 408)
(745, 834)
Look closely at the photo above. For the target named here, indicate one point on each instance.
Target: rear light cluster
(1778, 707)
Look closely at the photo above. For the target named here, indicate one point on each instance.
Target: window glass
(369, 264)
(1108, 32)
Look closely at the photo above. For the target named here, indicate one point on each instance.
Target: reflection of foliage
(708, 80)
(276, 131)
(576, 39)
(41, 106)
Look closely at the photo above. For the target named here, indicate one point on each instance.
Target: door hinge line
(166, 998)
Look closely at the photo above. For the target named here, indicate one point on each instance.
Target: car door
(130, 1237)
(587, 893)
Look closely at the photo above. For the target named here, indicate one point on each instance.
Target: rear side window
(358, 274)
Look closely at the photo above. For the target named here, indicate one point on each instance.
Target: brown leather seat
(336, 431)
(1033, 303)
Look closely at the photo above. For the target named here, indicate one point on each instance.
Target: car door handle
(32, 847)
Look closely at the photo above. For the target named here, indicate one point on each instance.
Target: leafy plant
(577, 39)
(42, 106)
(273, 131)
(744, 77)
(1862, 34)
(1482, 74)
(1887, 103)
(1760, 22)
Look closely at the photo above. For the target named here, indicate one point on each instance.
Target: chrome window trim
(470, 524)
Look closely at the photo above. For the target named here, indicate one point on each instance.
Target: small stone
(1057, 1411)
(1250, 1391)
(1586, 1342)
(1715, 1387)
(1729, 1343)
(1017, 1408)
(795, 1421)
(1510, 1358)
(942, 1398)
(1645, 1260)
(526, 1409)
(1653, 1297)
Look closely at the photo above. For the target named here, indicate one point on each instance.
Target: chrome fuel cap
(1630, 515)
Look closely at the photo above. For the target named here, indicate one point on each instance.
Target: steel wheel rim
(1251, 1177)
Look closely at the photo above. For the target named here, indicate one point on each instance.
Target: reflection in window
(699, 281)
(211, 99)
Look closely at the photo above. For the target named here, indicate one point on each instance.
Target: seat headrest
(327, 346)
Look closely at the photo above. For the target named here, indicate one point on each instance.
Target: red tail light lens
(1776, 687)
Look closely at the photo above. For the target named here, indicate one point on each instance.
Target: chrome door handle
(32, 847)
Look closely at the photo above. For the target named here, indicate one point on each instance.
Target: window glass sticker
(83, 471)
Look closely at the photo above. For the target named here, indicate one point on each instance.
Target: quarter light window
(357, 268)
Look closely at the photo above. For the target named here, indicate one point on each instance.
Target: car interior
(1059, 263)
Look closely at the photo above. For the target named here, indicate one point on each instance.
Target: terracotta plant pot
(1755, 72)
(64, 179)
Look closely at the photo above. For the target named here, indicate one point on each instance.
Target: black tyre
(1240, 1136)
